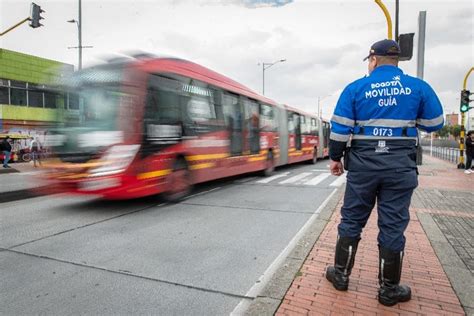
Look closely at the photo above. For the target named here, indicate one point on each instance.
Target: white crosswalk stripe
(339, 181)
(320, 178)
(270, 179)
(304, 178)
(296, 178)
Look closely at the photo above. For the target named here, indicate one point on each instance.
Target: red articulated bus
(160, 125)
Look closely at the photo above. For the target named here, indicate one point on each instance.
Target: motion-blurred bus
(161, 125)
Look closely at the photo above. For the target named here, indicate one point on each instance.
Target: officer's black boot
(338, 274)
(390, 270)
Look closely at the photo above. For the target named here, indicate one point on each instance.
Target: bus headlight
(115, 160)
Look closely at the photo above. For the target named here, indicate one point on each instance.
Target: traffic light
(35, 16)
(405, 41)
(465, 101)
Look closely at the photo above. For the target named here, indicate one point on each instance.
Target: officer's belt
(381, 131)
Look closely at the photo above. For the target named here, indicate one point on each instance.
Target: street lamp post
(319, 100)
(79, 64)
(265, 66)
(79, 29)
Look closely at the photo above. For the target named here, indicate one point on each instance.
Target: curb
(24, 194)
(8, 170)
(271, 296)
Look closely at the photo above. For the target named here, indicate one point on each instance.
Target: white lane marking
(320, 170)
(318, 179)
(263, 280)
(339, 181)
(296, 178)
(284, 174)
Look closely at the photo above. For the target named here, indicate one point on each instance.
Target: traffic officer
(379, 116)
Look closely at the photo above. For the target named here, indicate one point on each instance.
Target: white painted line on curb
(263, 280)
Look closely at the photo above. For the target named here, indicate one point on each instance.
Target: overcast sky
(323, 42)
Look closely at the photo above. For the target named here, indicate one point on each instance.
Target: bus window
(314, 127)
(267, 118)
(252, 125)
(305, 125)
(162, 117)
(291, 125)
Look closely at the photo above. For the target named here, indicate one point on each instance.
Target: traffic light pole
(461, 164)
(15, 26)
(387, 17)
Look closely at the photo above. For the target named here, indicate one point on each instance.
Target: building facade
(452, 119)
(29, 103)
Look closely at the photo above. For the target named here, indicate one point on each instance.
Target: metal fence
(446, 153)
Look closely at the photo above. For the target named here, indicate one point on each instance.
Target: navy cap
(384, 47)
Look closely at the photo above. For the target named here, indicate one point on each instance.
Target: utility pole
(397, 5)
(79, 31)
(420, 62)
(80, 35)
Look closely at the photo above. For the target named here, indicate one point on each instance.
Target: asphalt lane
(67, 255)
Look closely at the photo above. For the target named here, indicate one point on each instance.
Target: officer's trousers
(392, 190)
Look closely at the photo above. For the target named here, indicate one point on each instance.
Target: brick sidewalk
(432, 294)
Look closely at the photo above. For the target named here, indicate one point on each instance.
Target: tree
(444, 131)
(455, 130)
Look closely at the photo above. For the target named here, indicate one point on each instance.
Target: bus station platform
(438, 263)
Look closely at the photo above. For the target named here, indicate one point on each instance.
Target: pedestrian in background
(7, 149)
(35, 150)
(379, 114)
(469, 151)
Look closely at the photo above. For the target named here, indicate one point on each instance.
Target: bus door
(282, 119)
(326, 132)
(234, 123)
(251, 127)
(297, 124)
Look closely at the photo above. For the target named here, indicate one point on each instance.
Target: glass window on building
(35, 96)
(18, 93)
(53, 100)
(4, 94)
(73, 101)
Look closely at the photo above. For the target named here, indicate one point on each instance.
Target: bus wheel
(179, 182)
(269, 165)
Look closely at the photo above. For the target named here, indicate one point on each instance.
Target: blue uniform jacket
(382, 110)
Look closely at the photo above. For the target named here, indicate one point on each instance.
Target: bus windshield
(90, 122)
(98, 107)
